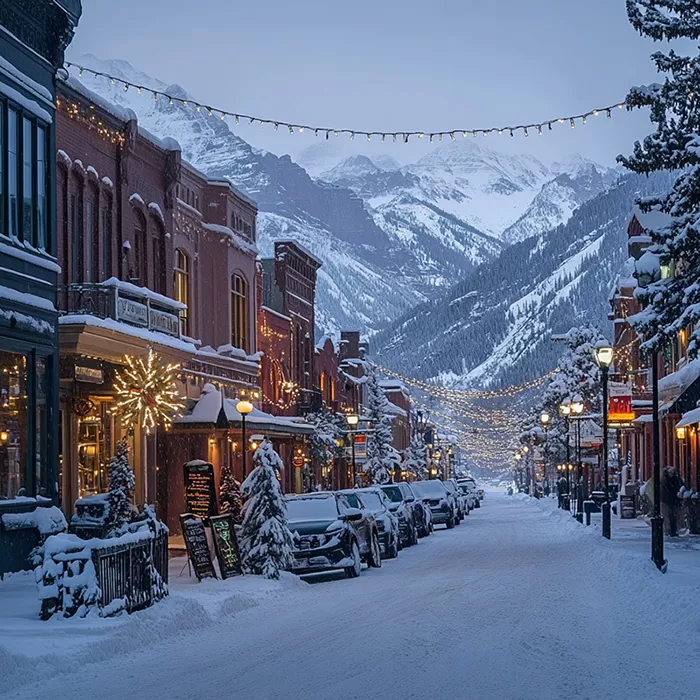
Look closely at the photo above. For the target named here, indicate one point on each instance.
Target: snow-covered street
(518, 602)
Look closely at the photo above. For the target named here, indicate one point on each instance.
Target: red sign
(620, 403)
(298, 461)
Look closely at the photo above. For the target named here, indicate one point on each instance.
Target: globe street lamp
(544, 422)
(244, 407)
(603, 354)
(565, 410)
(353, 419)
(577, 406)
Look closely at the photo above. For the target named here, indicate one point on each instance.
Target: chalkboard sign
(195, 537)
(226, 545)
(627, 509)
(200, 489)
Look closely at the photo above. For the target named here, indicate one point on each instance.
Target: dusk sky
(391, 65)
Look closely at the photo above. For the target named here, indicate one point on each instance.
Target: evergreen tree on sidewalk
(266, 539)
(323, 439)
(381, 455)
(230, 495)
(121, 488)
(672, 302)
(417, 462)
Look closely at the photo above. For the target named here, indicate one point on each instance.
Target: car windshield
(431, 488)
(312, 508)
(449, 486)
(394, 493)
(353, 500)
(465, 488)
(408, 493)
(372, 501)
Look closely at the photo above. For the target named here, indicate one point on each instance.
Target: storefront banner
(620, 402)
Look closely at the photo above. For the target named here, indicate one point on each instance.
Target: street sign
(620, 403)
(360, 446)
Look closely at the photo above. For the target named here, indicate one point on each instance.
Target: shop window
(13, 424)
(239, 312)
(181, 288)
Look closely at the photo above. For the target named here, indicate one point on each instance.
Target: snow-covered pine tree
(230, 494)
(323, 445)
(672, 303)
(417, 462)
(266, 541)
(381, 455)
(121, 488)
(578, 374)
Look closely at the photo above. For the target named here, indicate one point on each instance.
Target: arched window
(181, 288)
(157, 257)
(139, 268)
(239, 312)
(107, 236)
(322, 382)
(90, 242)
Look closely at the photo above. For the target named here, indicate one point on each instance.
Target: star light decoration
(146, 393)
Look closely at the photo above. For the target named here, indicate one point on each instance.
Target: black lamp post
(353, 419)
(657, 520)
(244, 407)
(577, 407)
(604, 354)
(565, 410)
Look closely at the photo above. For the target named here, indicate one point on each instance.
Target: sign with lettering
(164, 322)
(226, 545)
(132, 311)
(620, 402)
(360, 446)
(90, 375)
(200, 489)
(195, 537)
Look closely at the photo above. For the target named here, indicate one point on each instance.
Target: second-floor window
(181, 288)
(107, 234)
(92, 232)
(239, 312)
(139, 267)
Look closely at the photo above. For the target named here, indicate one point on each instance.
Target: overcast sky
(390, 64)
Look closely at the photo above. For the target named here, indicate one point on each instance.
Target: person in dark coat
(671, 484)
(562, 490)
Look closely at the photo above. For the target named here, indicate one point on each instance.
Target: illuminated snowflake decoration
(146, 393)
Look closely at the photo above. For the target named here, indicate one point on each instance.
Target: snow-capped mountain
(361, 284)
(495, 326)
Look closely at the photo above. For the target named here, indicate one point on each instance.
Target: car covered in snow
(464, 501)
(443, 506)
(375, 500)
(468, 486)
(410, 511)
(328, 533)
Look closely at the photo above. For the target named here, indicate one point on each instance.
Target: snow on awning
(646, 418)
(674, 385)
(689, 418)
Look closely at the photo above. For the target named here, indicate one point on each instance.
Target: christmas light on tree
(146, 393)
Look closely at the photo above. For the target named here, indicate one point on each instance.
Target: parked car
(330, 534)
(404, 511)
(421, 510)
(377, 502)
(464, 501)
(468, 486)
(442, 504)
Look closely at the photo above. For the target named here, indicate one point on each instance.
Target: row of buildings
(112, 246)
(679, 383)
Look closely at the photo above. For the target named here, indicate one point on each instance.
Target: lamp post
(657, 520)
(353, 419)
(244, 407)
(577, 407)
(565, 410)
(544, 422)
(604, 354)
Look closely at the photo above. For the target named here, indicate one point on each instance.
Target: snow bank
(48, 521)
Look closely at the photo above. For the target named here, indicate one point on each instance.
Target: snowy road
(513, 604)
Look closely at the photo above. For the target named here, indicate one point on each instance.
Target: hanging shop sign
(195, 536)
(360, 447)
(226, 545)
(620, 402)
(89, 375)
(200, 489)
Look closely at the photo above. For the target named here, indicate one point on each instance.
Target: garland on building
(146, 393)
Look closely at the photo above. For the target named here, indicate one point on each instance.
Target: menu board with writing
(226, 545)
(195, 537)
(200, 489)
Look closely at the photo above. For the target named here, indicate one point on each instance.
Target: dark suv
(442, 504)
(330, 534)
(413, 521)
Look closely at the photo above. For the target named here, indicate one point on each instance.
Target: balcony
(309, 401)
(122, 302)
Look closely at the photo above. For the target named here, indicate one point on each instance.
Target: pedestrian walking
(562, 491)
(671, 484)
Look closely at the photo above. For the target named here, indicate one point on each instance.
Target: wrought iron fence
(89, 298)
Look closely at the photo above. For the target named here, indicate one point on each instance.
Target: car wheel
(414, 535)
(392, 551)
(399, 543)
(375, 553)
(450, 523)
(477, 504)
(354, 570)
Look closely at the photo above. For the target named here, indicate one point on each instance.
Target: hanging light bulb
(369, 137)
(138, 90)
(170, 100)
(352, 135)
(301, 129)
(291, 129)
(236, 118)
(573, 123)
(539, 130)
(525, 130)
